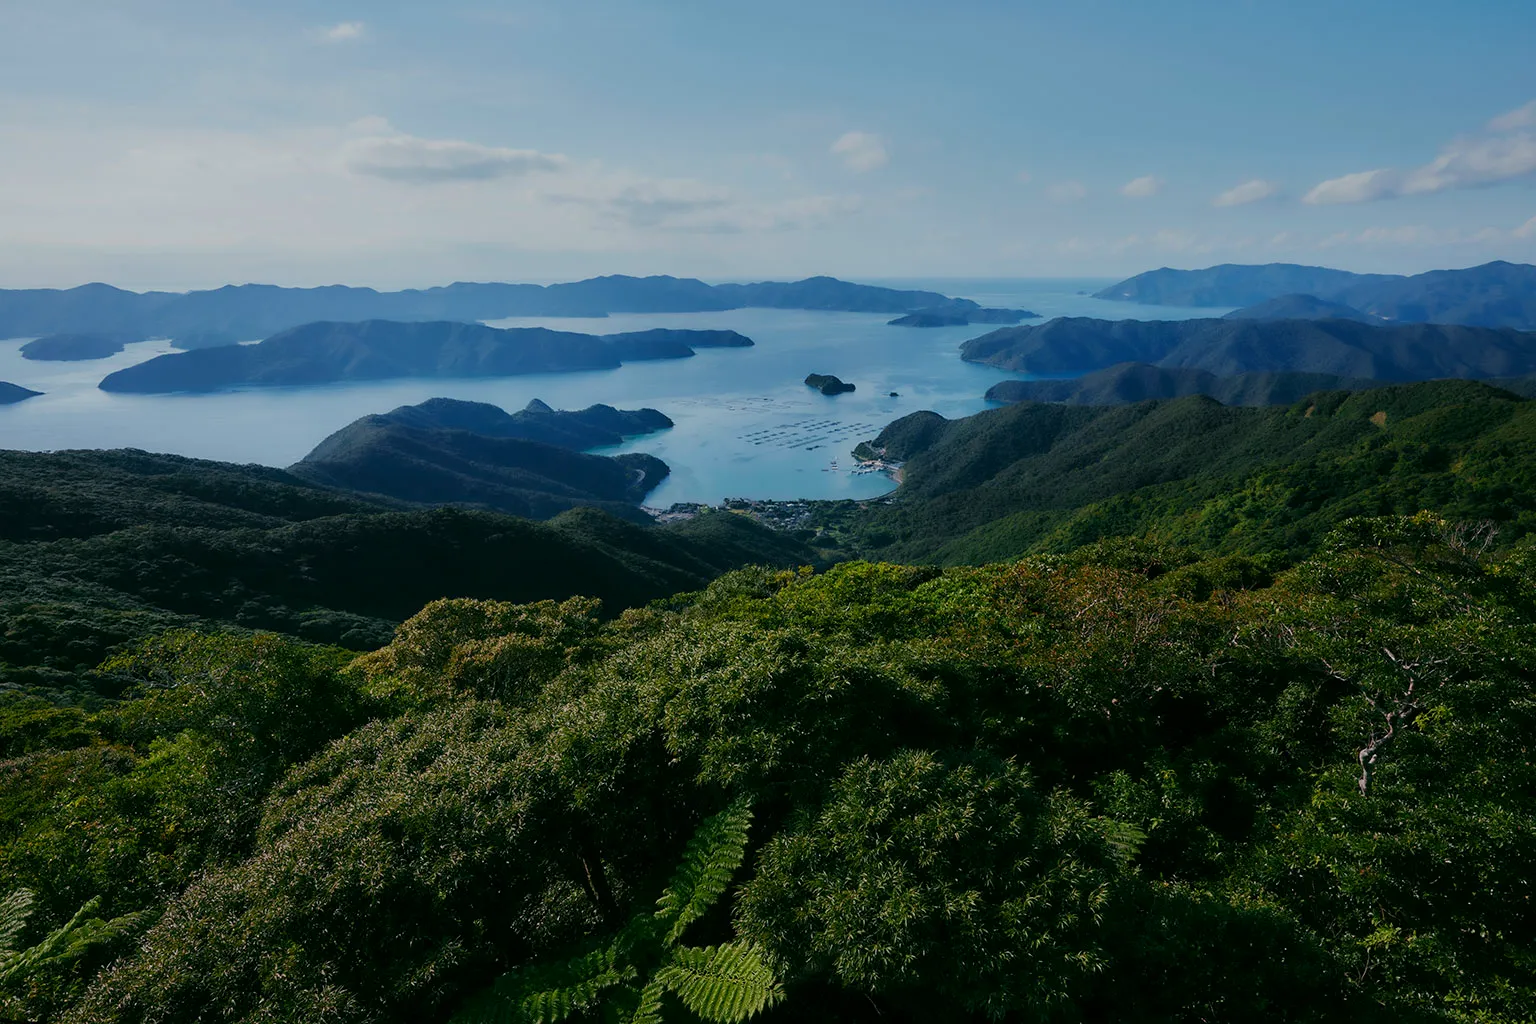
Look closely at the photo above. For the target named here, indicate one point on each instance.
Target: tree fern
(726, 983)
(720, 984)
(77, 935)
(712, 857)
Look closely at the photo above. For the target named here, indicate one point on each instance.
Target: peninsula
(10, 393)
(446, 452)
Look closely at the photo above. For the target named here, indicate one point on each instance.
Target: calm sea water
(746, 424)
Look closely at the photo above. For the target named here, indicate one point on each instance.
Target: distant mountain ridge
(1343, 348)
(1301, 307)
(252, 311)
(323, 353)
(1497, 294)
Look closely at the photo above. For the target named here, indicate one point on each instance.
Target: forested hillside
(1126, 784)
(1271, 481)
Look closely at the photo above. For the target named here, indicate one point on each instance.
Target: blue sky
(161, 143)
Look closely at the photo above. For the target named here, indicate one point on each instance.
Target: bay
(746, 424)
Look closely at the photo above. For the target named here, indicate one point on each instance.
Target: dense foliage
(1125, 783)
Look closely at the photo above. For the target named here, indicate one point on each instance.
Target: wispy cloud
(861, 151)
(1360, 187)
(1253, 191)
(1067, 191)
(1142, 188)
(1504, 151)
(343, 31)
(398, 157)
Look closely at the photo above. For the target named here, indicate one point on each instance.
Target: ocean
(746, 424)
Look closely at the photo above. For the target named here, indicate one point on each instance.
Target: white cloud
(1361, 187)
(1504, 151)
(1526, 230)
(1141, 188)
(1520, 117)
(344, 31)
(1253, 191)
(1067, 191)
(398, 157)
(861, 151)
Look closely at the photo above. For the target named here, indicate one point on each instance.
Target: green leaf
(545, 993)
(712, 857)
(72, 939)
(649, 1010)
(722, 984)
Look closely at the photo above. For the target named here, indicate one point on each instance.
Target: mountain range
(1497, 294)
(252, 311)
(323, 353)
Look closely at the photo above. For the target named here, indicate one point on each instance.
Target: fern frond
(1124, 839)
(546, 993)
(712, 857)
(14, 911)
(649, 1010)
(722, 984)
(69, 940)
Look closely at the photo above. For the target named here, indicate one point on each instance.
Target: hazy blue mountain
(1301, 307)
(1232, 284)
(1138, 382)
(13, 393)
(592, 427)
(1343, 348)
(322, 353)
(73, 347)
(958, 317)
(407, 456)
(242, 312)
(1497, 294)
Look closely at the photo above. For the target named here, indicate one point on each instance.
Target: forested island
(324, 353)
(73, 347)
(828, 384)
(960, 317)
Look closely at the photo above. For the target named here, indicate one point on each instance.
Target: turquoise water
(746, 424)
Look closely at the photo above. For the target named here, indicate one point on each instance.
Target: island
(326, 353)
(447, 452)
(958, 317)
(1497, 294)
(10, 393)
(827, 384)
(74, 347)
(1069, 346)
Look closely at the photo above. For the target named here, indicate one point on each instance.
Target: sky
(174, 144)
